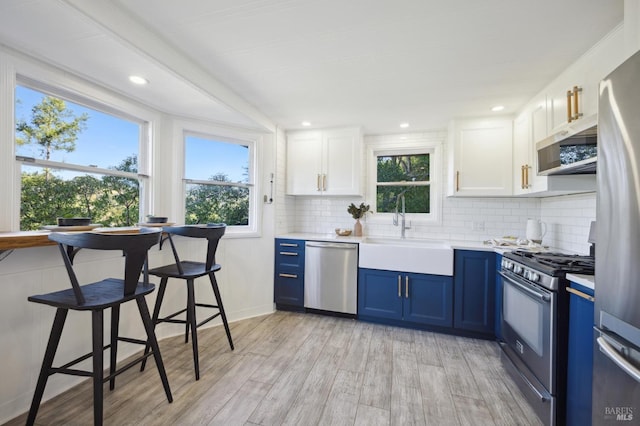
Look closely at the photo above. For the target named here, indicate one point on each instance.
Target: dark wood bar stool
(96, 297)
(189, 271)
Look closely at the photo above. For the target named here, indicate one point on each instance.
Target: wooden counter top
(27, 239)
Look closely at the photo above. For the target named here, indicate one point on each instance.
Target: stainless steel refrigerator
(616, 369)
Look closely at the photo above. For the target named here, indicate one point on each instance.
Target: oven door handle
(531, 292)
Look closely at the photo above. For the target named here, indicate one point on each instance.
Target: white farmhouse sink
(407, 255)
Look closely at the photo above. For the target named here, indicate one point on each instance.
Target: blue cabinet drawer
(289, 254)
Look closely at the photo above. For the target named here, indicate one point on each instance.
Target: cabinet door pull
(318, 183)
(569, 114)
(576, 103)
(288, 253)
(457, 180)
(580, 294)
(522, 176)
(288, 245)
(288, 275)
(406, 286)
(324, 182)
(400, 286)
(526, 176)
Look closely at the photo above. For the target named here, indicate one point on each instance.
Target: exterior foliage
(217, 203)
(396, 169)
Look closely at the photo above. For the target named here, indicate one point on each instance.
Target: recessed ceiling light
(497, 108)
(136, 79)
(306, 123)
(404, 125)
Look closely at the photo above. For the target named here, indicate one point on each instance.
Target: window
(76, 160)
(404, 168)
(219, 181)
(406, 175)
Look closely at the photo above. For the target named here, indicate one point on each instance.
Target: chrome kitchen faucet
(395, 216)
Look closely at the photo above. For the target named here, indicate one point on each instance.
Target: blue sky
(107, 140)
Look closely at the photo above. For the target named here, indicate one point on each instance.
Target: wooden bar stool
(96, 297)
(189, 271)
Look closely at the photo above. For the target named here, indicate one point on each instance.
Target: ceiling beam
(123, 26)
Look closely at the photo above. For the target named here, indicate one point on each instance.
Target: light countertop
(456, 245)
(585, 280)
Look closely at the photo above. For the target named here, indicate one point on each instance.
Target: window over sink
(405, 166)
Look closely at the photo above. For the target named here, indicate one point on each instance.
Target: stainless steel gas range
(535, 317)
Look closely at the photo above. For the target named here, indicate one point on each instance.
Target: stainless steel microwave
(575, 154)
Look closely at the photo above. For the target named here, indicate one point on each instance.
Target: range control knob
(527, 274)
(518, 269)
(534, 277)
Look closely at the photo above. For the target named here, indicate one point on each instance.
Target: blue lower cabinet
(379, 295)
(474, 289)
(428, 299)
(580, 356)
(288, 282)
(406, 297)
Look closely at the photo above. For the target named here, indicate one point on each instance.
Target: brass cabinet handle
(522, 177)
(324, 182)
(569, 115)
(457, 181)
(526, 175)
(288, 275)
(580, 294)
(400, 286)
(576, 104)
(288, 253)
(318, 183)
(406, 286)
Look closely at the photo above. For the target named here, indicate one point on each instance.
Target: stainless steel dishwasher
(331, 277)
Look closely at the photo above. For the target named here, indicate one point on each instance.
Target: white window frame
(404, 145)
(17, 69)
(253, 141)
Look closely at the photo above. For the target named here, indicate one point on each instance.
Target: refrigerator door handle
(619, 360)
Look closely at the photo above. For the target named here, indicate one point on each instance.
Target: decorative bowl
(74, 221)
(157, 219)
(343, 232)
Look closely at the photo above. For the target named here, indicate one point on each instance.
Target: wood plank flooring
(304, 369)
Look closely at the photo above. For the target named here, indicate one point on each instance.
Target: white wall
(25, 326)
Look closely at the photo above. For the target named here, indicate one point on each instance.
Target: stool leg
(156, 315)
(151, 338)
(216, 291)
(115, 322)
(47, 362)
(97, 327)
(191, 321)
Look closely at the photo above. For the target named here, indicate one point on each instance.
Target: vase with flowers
(357, 213)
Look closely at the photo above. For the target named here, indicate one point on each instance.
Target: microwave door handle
(607, 349)
(529, 291)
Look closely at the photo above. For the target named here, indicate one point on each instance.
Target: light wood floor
(298, 369)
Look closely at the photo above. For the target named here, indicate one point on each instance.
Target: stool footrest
(208, 319)
(70, 372)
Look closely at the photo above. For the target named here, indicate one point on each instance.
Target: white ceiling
(260, 63)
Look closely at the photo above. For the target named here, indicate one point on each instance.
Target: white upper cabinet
(523, 169)
(324, 162)
(569, 104)
(481, 157)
